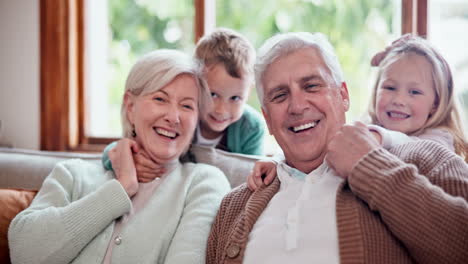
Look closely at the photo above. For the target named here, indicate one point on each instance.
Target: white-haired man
(339, 197)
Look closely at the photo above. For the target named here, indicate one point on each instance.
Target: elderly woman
(83, 214)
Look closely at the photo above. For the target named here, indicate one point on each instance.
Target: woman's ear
(129, 104)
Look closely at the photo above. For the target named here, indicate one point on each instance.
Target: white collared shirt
(299, 223)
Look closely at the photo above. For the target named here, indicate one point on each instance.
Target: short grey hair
(283, 44)
(155, 70)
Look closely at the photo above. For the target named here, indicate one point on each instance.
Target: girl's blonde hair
(448, 113)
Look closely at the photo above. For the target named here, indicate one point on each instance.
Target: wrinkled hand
(147, 169)
(262, 167)
(379, 56)
(123, 164)
(348, 146)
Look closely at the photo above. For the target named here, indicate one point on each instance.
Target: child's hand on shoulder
(147, 169)
(265, 168)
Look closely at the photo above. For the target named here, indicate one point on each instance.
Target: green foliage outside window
(356, 28)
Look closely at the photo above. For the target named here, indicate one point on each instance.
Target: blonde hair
(448, 113)
(155, 70)
(229, 48)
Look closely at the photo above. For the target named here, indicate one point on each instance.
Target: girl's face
(405, 95)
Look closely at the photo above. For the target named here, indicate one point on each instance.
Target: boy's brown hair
(230, 48)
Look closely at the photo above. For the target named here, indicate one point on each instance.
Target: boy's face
(229, 94)
(405, 94)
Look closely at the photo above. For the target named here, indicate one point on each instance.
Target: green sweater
(71, 219)
(245, 136)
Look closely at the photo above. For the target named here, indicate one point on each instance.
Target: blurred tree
(356, 28)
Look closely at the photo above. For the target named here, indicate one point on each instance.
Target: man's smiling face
(303, 106)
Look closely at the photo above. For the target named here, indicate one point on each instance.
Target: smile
(166, 133)
(397, 115)
(300, 128)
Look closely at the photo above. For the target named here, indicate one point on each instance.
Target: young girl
(228, 123)
(413, 98)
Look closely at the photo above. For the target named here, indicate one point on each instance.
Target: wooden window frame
(62, 67)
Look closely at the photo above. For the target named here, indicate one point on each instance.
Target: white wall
(19, 73)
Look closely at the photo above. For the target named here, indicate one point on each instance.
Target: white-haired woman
(84, 214)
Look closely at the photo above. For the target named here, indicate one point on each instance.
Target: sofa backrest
(26, 169)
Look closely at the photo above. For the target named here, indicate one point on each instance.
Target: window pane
(118, 32)
(447, 29)
(357, 30)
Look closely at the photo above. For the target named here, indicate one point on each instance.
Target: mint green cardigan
(71, 219)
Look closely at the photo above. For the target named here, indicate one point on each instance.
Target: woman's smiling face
(165, 120)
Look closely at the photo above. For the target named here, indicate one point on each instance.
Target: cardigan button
(118, 240)
(233, 251)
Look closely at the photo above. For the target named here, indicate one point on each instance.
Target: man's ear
(129, 104)
(344, 95)
(267, 119)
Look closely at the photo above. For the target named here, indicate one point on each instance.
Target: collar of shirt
(287, 173)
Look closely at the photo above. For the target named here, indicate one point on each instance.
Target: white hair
(286, 43)
(155, 70)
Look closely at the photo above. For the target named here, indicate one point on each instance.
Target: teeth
(305, 126)
(397, 115)
(165, 133)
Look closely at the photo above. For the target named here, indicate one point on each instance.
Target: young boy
(229, 123)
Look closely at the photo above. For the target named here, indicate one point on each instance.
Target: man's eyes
(214, 95)
(279, 97)
(235, 98)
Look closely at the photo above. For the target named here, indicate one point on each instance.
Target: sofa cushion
(235, 166)
(12, 201)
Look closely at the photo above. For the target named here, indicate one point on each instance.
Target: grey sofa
(26, 169)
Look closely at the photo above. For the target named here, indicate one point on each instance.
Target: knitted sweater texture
(405, 205)
(71, 219)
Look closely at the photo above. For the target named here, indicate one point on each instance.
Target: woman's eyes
(214, 95)
(159, 98)
(187, 106)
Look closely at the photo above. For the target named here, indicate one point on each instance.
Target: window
(447, 22)
(64, 70)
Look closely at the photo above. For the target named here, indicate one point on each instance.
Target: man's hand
(348, 146)
(147, 169)
(121, 157)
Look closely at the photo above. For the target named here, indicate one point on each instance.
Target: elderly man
(339, 197)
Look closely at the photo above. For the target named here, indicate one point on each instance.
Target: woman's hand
(147, 169)
(123, 164)
(348, 146)
(264, 168)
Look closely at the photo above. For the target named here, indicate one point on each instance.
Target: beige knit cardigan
(411, 209)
